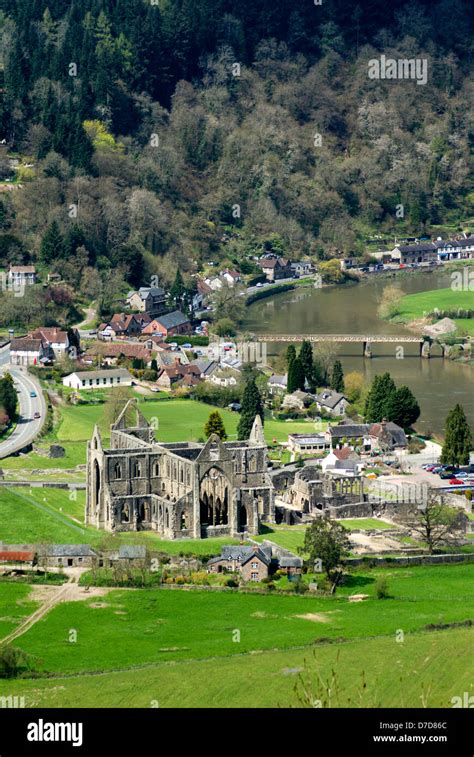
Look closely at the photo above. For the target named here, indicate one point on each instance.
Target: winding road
(28, 427)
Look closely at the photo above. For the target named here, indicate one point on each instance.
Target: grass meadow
(147, 647)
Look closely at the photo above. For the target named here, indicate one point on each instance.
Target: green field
(14, 606)
(415, 306)
(429, 665)
(137, 627)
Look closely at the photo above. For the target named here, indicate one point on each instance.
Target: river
(438, 384)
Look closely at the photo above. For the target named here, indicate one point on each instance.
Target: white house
(21, 275)
(344, 461)
(98, 379)
(332, 402)
(27, 351)
(56, 339)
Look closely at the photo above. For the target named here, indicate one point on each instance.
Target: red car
(456, 481)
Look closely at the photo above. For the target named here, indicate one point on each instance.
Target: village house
(353, 435)
(102, 379)
(28, 351)
(171, 324)
(409, 254)
(121, 326)
(151, 300)
(277, 385)
(21, 275)
(224, 375)
(189, 374)
(343, 461)
(387, 436)
(129, 555)
(251, 562)
(455, 249)
(302, 268)
(55, 339)
(332, 402)
(275, 268)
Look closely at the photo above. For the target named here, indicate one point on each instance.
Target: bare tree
(435, 522)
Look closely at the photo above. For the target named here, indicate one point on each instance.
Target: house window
(255, 565)
(104, 380)
(254, 576)
(83, 382)
(90, 382)
(97, 381)
(118, 379)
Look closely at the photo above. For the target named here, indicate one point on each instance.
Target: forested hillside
(155, 134)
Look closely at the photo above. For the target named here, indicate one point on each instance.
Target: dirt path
(50, 597)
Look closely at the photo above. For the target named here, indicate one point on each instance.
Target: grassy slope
(438, 665)
(133, 627)
(47, 515)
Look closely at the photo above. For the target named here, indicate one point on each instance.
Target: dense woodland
(143, 146)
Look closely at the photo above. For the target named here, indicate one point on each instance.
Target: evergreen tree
(337, 377)
(52, 244)
(177, 290)
(295, 376)
(290, 355)
(251, 406)
(402, 408)
(458, 438)
(306, 359)
(378, 398)
(215, 425)
(319, 377)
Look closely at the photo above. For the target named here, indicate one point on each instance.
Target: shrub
(381, 588)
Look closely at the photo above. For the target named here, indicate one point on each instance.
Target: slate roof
(70, 550)
(26, 344)
(424, 247)
(349, 429)
(243, 554)
(172, 320)
(277, 380)
(290, 562)
(329, 398)
(395, 431)
(106, 373)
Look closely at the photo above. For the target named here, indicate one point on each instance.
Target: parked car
(456, 481)
(33, 394)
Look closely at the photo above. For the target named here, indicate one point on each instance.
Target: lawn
(365, 524)
(137, 627)
(417, 305)
(433, 665)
